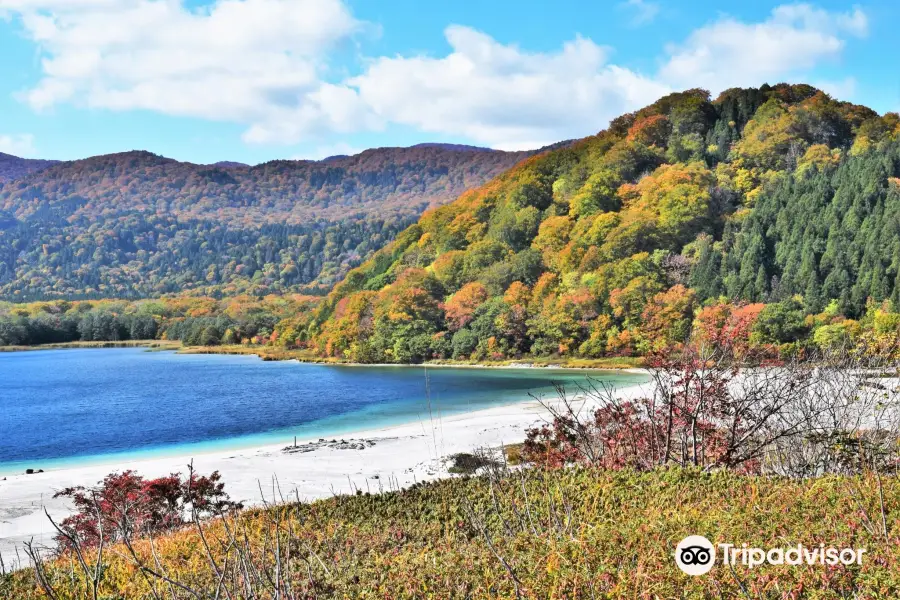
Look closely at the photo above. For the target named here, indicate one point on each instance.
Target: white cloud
(643, 11)
(266, 64)
(328, 109)
(792, 41)
(504, 97)
(21, 144)
(500, 95)
(234, 60)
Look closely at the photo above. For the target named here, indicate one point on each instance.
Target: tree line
(194, 321)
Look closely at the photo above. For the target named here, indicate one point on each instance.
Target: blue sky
(255, 80)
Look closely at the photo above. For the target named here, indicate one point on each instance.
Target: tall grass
(564, 533)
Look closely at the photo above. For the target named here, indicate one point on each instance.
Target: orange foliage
(651, 131)
(461, 307)
(545, 286)
(666, 319)
(726, 325)
(517, 294)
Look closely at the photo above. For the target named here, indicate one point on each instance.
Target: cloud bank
(267, 65)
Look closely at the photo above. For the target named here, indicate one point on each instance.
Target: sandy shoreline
(370, 460)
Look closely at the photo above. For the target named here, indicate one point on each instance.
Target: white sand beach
(369, 460)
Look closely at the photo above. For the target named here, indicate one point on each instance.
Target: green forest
(195, 321)
(137, 225)
(140, 255)
(767, 217)
(774, 209)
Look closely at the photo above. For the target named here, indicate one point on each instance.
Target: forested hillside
(137, 225)
(13, 167)
(774, 211)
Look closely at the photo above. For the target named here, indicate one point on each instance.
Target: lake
(65, 407)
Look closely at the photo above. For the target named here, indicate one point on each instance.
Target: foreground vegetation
(589, 506)
(570, 533)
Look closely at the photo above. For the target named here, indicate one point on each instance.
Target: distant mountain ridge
(137, 224)
(459, 147)
(13, 167)
(391, 181)
(229, 164)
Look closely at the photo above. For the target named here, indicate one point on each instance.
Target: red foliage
(695, 401)
(553, 446)
(726, 326)
(692, 419)
(125, 504)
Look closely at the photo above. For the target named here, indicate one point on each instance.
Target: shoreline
(266, 353)
(261, 439)
(154, 345)
(278, 354)
(369, 459)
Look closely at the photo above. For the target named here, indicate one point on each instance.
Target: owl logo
(695, 555)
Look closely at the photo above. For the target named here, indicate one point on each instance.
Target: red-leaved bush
(700, 413)
(125, 505)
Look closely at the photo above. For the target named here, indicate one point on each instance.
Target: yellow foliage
(819, 156)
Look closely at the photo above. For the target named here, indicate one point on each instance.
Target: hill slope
(13, 167)
(565, 533)
(392, 181)
(136, 224)
(609, 245)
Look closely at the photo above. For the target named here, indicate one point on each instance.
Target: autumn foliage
(138, 225)
(125, 505)
(692, 219)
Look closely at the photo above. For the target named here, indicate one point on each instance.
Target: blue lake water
(64, 407)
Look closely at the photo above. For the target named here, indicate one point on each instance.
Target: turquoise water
(72, 407)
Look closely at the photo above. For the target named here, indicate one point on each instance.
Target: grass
(512, 454)
(308, 356)
(466, 463)
(149, 344)
(264, 352)
(572, 533)
(615, 362)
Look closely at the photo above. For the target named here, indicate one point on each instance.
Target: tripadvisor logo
(696, 555)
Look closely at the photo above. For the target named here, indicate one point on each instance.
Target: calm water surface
(63, 407)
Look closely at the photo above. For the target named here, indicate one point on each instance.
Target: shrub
(125, 505)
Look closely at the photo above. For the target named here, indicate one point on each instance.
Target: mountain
(229, 164)
(13, 167)
(389, 181)
(460, 147)
(615, 243)
(136, 224)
